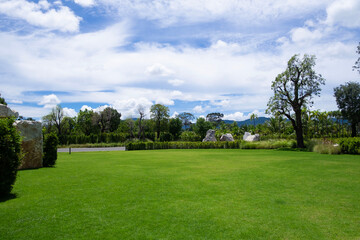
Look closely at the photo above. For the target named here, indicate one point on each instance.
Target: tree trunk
(353, 129)
(299, 130)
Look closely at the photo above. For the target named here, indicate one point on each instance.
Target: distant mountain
(260, 120)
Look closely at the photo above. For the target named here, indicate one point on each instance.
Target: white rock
(210, 136)
(227, 137)
(251, 138)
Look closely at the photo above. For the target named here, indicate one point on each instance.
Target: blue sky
(195, 56)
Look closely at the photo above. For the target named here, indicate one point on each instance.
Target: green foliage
(109, 119)
(186, 118)
(215, 118)
(201, 127)
(212, 145)
(350, 145)
(189, 136)
(50, 150)
(10, 157)
(160, 114)
(175, 126)
(348, 100)
(2, 100)
(293, 91)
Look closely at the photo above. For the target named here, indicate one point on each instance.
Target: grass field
(187, 194)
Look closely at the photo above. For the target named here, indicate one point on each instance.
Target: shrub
(51, 142)
(10, 155)
(189, 136)
(350, 145)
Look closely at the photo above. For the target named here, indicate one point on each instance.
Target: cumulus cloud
(69, 112)
(129, 108)
(164, 101)
(41, 14)
(158, 69)
(176, 82)
(305, 34)
(85, 3)
(198, 109)
(49, 101)
(344, 13)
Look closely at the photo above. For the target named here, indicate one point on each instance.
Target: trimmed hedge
(50, 150)
(350, 145)
(93, 138)
(10, 155)
(210, 145)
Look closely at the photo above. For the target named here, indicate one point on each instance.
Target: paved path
(92, 149)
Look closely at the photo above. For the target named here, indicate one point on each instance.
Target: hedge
(50, 150)
(350, 145)
(209, 145)
(10, 155)
(93, 138)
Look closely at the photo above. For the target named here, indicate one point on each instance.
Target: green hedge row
(208, 145)
(350, 145)
(93, 138)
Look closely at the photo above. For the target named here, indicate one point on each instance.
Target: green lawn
(187, 194)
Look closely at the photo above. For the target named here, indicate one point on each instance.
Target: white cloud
(198, 109)
(164, 101)
(244, 12)
(41, 15)
(50, 101)
(176, 82)
(304, 34)
(345, 13)
(69, 112)
(175, 114)
(240, 116)
(85, 3)
(129, 107)
(86, 107)
(16, 101)
(158, 69)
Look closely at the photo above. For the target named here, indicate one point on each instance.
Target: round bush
(51, 142)
(10, 155)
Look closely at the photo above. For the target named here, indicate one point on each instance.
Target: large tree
(186, 118)
(294, 90)
(348, 100)
(175, 126)
(109, 119)
(215, 118)
(160, 114)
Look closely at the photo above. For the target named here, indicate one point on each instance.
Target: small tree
(55, 118)
(51, 142)
(201, 127)
(293, 91)
(348, 100)
(2, 100)
(141, 111)
(253, 117)
(10, 157)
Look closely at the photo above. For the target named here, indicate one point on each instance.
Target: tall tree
(202, 126)
(87, 122)
(253, 117)
(175, 126)
(141, 111)
(55, 118)
(293, 90)
(357, 63)
(109, 119)
(159, 113)
(348, 100)
(215, 118)
(186, 118)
